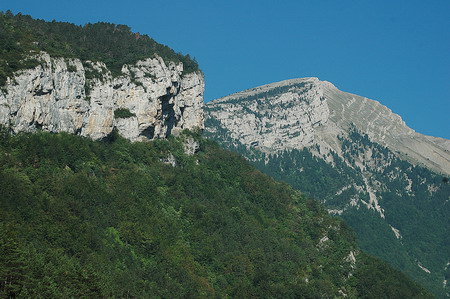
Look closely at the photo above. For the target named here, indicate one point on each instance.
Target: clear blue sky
(396, 52)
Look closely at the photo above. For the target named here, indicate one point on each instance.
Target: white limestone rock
(57, 96)
(296, 113)
(191, 146)
(271, 120)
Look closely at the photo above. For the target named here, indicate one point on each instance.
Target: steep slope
(120, 80)
(300, 112)
(386, 128)
(90, 219)
(348, 152)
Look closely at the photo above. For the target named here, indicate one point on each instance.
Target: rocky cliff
(358, 158)
(273, 117)
(385, 127)
(296, 113)
(150, 99)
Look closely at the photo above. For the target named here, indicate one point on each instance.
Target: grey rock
(66, 95)
(298, 113)
(349, 152)
(191, 146)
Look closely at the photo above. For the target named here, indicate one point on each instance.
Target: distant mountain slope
(357, 157)
(299, 112)
(176, 218)
(386, 128)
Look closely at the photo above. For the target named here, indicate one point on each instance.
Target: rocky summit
(295, 113)
(150, 98)
(356, 156)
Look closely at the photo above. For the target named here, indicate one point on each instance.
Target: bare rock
(66, 95)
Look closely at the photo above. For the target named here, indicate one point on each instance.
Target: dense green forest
(115, 45)
(420, 211)
(88, 219)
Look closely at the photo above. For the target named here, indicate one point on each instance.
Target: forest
(420, 212)
(21, 36)
(109, 219)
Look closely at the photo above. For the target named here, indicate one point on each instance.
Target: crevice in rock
(112, 136)
(38, 126)
(149, 132)
(168, 113)
(41, 92)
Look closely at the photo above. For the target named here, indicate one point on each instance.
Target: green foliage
(123, 113)
(91, 72)
(109, 219)
(115, 45)
(421, 213)
(376, 279)
(71, 68)
(12, 264)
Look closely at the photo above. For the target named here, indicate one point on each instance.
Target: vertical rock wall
(149, 100)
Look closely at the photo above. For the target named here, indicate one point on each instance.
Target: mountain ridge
(341, 149)
(174, 217)
(401, 139)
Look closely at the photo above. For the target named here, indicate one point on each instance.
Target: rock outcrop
(354, 155)
(297, 113)
(273, 117)
(150, 99)
(385, 127)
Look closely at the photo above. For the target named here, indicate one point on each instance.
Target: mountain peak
(305, 111)
(354, 155)
(266, 88)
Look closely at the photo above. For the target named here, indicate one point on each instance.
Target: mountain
(296, 113)
(112, 219)
(353, 154)
(90, 210)
(89, 80)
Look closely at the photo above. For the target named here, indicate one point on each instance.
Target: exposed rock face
(296, 113)
(385, 127)
(273, 117)
(66, 95)
(351, 153)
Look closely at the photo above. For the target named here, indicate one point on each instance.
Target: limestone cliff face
(66, 95)
(273, 117)
(297, 113)
(385, 127)
(357, 157)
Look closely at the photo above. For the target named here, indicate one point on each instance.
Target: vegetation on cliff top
(115, 45)
(90, 219)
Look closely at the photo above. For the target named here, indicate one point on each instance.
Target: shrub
(123, 113)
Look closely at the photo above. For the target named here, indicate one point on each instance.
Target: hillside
(89, 210)
(83, 218)
(349, 153)
(89, 80)
(114, 45)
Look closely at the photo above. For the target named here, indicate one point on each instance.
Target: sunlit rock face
(150, 99)
(355, 156)
(298, 113)
(273, 117)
